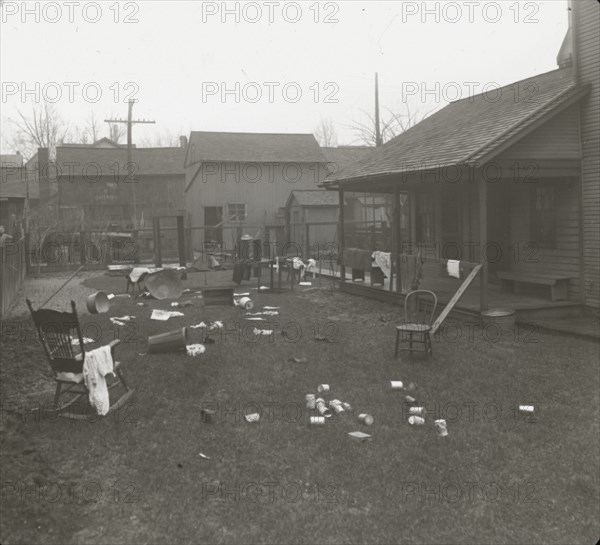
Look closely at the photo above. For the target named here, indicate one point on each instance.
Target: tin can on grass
(441, 428)
(366, 419)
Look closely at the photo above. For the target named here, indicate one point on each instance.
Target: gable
(558, 138)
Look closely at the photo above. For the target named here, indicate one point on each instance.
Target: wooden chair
(61, 338)
(419, 309)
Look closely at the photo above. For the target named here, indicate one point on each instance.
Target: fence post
(82, 247)
(157, 248)
(27, 254)
(181, 244)
(307, 227)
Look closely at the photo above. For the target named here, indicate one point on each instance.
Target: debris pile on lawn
(164, 315)
(195, 349)
(121, 320)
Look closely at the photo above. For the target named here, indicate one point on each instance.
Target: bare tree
(164, 139)
(326, 134)
(392, 124)
(45, 128)
(88, 133)
(116, 131)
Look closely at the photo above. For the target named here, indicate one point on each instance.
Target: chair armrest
(113, 344)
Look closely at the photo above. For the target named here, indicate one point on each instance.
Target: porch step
(565, 310)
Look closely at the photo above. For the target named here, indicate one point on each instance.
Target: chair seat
(70, 377)
(416, 328)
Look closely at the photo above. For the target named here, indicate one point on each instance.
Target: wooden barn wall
(155, 195)
(587, 17)
(325, 236)
(264, 188)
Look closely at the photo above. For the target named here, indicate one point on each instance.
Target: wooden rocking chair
(61, 338)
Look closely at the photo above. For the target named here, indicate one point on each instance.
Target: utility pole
(130, 123)
(378, 139)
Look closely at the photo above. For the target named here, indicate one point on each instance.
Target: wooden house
(509, 180)
(96, 188)
(239, 182)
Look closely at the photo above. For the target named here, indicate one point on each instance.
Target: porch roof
(468, 131)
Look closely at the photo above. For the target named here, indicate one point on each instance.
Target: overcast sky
(287, 65)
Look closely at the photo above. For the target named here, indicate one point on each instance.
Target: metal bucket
(98, 303)
(504, 318)
(168, 342)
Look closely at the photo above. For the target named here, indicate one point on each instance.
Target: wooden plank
(455, 298)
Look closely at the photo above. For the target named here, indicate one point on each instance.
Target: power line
(130, 122)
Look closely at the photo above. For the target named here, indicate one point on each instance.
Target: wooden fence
(13, 269)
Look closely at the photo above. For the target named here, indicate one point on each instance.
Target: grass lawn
(137, 477)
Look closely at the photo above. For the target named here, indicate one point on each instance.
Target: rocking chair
(419, 309)
(61, 338)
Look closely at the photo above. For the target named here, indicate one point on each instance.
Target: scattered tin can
(419, 411)
(321, 407)
(359, 435)
(526, 408)
(254, 417)
(246, 303)
(323, 388)
(416, 420)
(441, 428)
(311, 402)
(317, 420)
(347, 406)
(366, 419)
(336, 405)
(397, 385)
(410, 399)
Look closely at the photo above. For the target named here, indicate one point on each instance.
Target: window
(543, 216)
(425, 218)
(236, 211)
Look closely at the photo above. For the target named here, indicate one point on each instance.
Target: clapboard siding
(564, 258)
(263, 188)
(557, 138)
(587, 15)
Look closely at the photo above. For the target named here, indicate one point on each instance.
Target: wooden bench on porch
(558, 284)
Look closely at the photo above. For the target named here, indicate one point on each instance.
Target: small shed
(312, 217)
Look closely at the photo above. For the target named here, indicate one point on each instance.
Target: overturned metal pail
(168, 342)
(97, 303)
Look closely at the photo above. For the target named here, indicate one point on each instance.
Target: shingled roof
(468, 130)
(341, 157)
(314, 197)
(253, 148)
(11, 160)
(13, 184)
(72, 161)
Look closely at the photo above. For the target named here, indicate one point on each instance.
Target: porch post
(342, 237)
(483, 240)
(398, 245)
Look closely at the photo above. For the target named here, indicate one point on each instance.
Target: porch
(527, 308)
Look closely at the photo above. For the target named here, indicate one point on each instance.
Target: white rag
(97, 364)
(384, 261)
(137, 272)
(453, 268)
